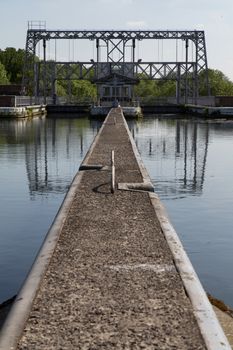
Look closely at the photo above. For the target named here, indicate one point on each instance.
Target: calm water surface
(190, 163)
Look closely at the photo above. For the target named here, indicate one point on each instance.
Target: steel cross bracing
(95, 71)
(116, 41)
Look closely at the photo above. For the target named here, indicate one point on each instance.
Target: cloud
(136, 24)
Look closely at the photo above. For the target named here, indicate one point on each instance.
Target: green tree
(167, 88)
(220, 84)
(60, 89)
(3, 75)
(80, 89)
(155, 88)
(83, 89)
(147, 88)
(13, 61)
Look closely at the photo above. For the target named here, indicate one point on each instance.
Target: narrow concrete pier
(112, 273)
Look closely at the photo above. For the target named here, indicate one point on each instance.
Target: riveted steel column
(206, 69)
(97, 50)
(178, 84)
(133, 46)
(35, 81)
(186, 71)
(53, 82)
(44, 71)
(196, 83)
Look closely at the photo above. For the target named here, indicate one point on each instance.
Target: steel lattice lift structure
(115, 76)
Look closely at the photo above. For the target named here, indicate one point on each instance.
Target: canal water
(189, 161)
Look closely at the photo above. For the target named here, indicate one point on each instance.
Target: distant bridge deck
(112, 280)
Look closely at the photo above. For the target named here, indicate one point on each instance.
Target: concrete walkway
(112, 282)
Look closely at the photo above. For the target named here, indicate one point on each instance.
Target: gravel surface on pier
(111, 283)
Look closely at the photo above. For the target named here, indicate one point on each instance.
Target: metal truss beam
(140, 70)
(41, 34)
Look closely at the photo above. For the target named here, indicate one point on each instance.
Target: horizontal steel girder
(38, 35)
(94, 71)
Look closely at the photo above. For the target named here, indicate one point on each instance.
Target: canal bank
(209, 111)
(22, 112)
(112, 280)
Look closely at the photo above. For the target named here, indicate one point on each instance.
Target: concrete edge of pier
(15, 321)
(209, 326)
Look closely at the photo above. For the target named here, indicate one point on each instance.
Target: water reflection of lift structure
(182, 151)
(199, 144)
(43, 163)
(183, 142)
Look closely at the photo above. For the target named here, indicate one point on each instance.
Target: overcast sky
(213, 16)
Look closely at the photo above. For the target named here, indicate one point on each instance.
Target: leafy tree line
(220, 84)
(11, 70)
(12, 62)
(81, 88)
(3, 75)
